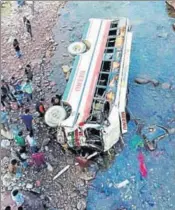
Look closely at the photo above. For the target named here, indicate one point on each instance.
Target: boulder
(139, 80)
(173, 26)
(166, 85)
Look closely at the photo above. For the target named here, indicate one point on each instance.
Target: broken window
(109, 50)
(112, 32)
(106, 66)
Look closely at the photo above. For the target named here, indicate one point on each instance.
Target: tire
(54, 116)
(77, 48)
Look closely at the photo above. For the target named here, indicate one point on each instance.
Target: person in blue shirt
(27, 119)
(19, 95)
(27, 89)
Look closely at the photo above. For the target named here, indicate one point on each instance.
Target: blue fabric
(4, 117)
(19, 199)
(18, 54)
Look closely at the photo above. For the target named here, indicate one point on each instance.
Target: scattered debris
(122, 184)
(61, 172)
(5, 143)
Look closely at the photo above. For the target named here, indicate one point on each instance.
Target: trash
(5, 143)
(7, 134)
(136, 142)
(49, 167)
(122, 184)
(61, 172)
(66, 69)
(87, 176)
(29, 186)
(38, 183)
(7, 179)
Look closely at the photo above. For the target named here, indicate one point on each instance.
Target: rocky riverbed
(68, 191)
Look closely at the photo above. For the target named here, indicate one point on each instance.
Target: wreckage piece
(61, 172)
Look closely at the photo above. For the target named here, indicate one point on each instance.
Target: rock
(49, 167)
(36, 62)
(29, 186)
(46, 148)
(81, 205)
(87, 176)
(173, 26)
(65, 55)
(171, 131)
(173, 107)
(163, 35)
(5, 144)
(5, 162)
(7, 180)
(166, 85)
(141, 80)
(155, 82)
(49, 53)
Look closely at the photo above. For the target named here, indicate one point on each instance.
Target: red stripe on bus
(77, 140)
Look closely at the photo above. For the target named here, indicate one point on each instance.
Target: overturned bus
(93, 112)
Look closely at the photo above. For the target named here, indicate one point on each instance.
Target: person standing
(32, 142)
(13, 166)
(17, 48)
(19, 95)
(28, 26)
(27, 89)
(56, 101)
(40, 107)
(15, 83)
(17, 197)
(20, 141)
(27, 119)
(29, 72)
(4, 120)
(7, 90)
(39, 160)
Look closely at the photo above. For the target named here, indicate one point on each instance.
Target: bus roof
(84, 75)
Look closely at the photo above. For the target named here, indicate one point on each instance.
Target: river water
(153, 55)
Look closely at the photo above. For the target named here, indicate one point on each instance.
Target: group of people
(18, 94)
(16, 90)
